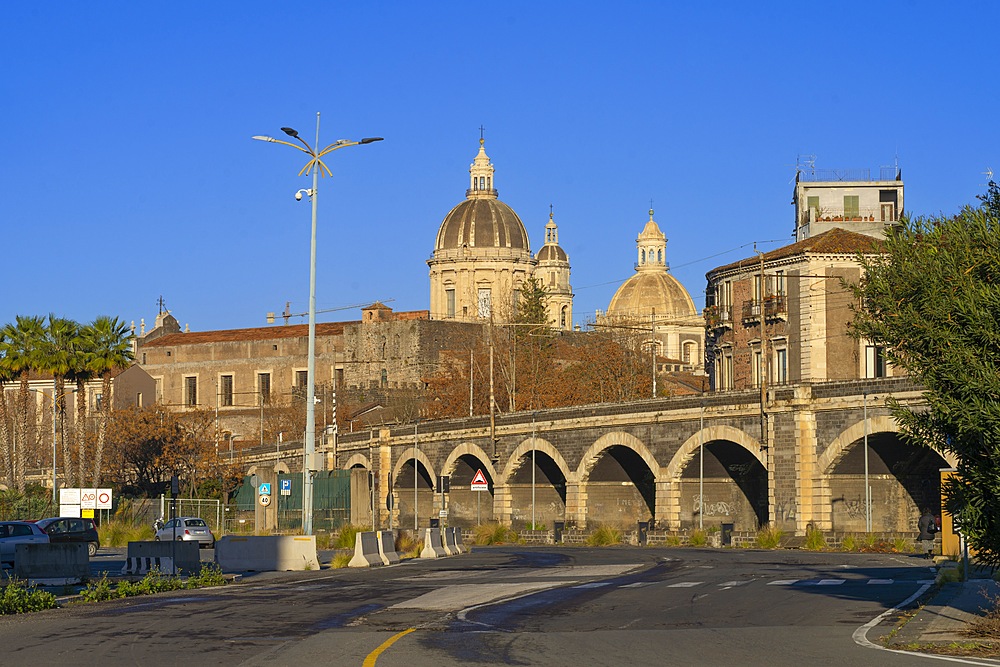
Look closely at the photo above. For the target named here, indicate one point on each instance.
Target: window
(779, 283)
(98, 402)
(851, 207)
(874, 361)
(485, 302)
(562, 317)
(758, 368)
(264, 387)
(449, 297)
(191, 391)
(812, 205)
(302, 379)
(688, 353)
(659, 257)
(338, 377)
(552, 278)
(138, 399)
(385, 378)
(781, 366)
(226, 390)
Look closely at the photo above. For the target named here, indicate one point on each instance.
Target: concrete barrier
(146, 564)
(433, 548)
(453, 540)
(185, 555)
(51, 561)
(366, 551)
(387, 547)
(266, 553)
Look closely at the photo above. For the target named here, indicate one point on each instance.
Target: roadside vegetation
(20, 598)
(154, 582)
(494, 533)
(604, 536)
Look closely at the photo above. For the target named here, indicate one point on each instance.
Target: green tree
(933, 301)
(532, 306)
(109, 343)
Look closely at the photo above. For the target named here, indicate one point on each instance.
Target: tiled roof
(837, 241)
(246, 335)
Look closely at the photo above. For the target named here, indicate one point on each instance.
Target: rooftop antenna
(162, 305)
(804, 163)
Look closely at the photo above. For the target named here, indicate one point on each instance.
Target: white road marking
(879, 581)
(783, 582)
(831, 582)
(731, 584)
(685, 584)
(594, 584)
(452, 598)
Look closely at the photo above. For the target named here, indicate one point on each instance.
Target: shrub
(99, 591)
(18, 598)
(493, 533)
(699, 538)
(341, 559)
(902, 545)
(209, 575)
(769, 537)
(347, 536)
(119, 532)
(603, 536)
(407, 546)
(815, 541)
(673, 540)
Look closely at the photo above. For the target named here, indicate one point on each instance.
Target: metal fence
(209, 510)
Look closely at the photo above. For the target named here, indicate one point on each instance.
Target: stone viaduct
(680, 462)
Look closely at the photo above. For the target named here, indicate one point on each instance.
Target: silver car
(13, 533)
(186, 529)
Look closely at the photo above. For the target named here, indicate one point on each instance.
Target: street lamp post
(317, 167)
(533, 471)
(868, 488)
(415, 527)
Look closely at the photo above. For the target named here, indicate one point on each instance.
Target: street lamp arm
(272, 140)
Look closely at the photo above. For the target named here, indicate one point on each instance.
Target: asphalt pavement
(945, 617)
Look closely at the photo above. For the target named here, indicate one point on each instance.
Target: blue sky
(127, 171)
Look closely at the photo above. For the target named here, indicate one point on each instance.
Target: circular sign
(104, 497)
(265, 501)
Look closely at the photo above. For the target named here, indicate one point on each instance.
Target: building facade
(783, 316)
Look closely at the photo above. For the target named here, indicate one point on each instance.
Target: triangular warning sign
(479, 479)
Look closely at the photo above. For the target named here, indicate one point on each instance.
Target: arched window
(489, 185)
(562, 317)
(642, 257)
(659, 257)
(482, 182)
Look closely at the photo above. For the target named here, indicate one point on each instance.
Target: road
(502, 605)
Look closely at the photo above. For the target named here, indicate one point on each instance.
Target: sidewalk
(955, 605)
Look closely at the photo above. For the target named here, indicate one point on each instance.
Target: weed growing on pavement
(673, 540)
(604, 536)
(119, 532)
(209, 575)
(347, 536)
(19, 598)
(406, 545)
(815, 540)
(699, 538)
(340, 560)
(849, 543)
(769, 537)
(154, 582)
(493, 533)
(99, 591)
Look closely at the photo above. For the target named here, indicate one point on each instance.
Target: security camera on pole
(317, 167)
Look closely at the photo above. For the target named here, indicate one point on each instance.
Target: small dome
(482, 223)
(648, 292)
(552, 253)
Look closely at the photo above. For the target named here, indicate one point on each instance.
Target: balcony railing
(774, 306)
(719, 316)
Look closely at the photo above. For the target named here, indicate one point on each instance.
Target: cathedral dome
(552, 253)
(652, 289)
(482, 223)
(648, 292)
(482, 220)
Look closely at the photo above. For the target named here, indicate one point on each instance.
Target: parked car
(72, 529)
(13, 533)
(187, 529)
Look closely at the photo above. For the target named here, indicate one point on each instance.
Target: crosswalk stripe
(831, 582)
(783, 582)
(731, 584)
(879, 581)
(594, 584)
(685, 584)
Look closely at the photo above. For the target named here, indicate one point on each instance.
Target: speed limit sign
(265, 501)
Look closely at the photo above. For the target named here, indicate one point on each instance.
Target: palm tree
(80, 374)
(6, 462)
(109, 343)
(60, 345)
(20, 353)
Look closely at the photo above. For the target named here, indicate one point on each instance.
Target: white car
(13, 533)
(186, 529)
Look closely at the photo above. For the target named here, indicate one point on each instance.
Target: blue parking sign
(286, 485)
(264, 489)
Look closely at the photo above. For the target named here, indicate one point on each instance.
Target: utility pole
(493, 422)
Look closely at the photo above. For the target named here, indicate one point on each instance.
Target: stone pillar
(266, 517)
(576, 501)
(667, 514)
(502, 504)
